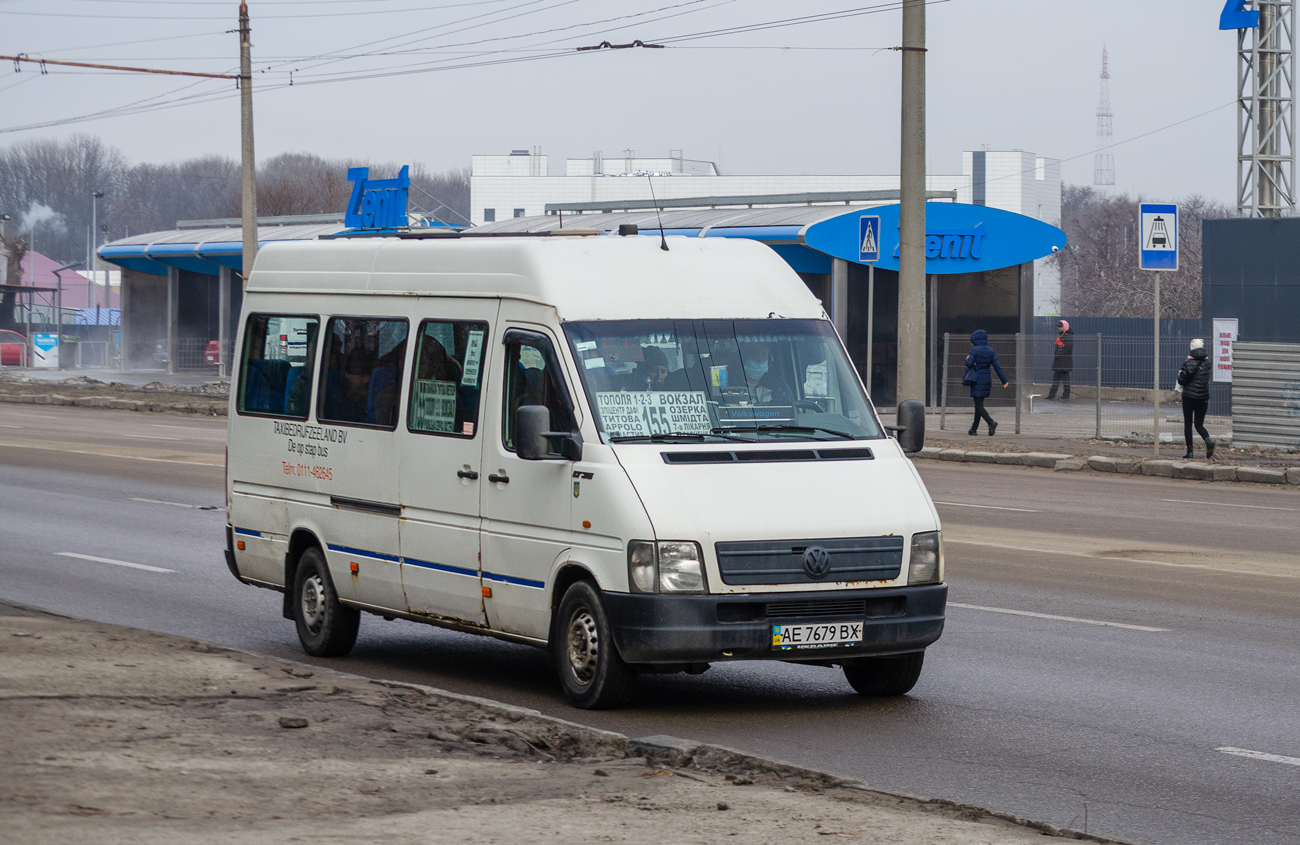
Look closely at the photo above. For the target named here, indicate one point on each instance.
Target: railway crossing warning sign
(1158, 248)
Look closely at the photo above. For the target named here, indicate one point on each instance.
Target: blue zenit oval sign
(958, 238)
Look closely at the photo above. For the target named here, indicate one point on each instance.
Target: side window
(533, 378)
(275, 371)
(362, 371)
(447, 378)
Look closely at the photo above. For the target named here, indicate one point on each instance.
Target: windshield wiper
(670, 436)
(808, 428)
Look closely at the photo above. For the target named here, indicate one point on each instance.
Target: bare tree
(15, 249)
(1099, 266)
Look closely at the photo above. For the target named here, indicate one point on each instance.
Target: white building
(520, 185)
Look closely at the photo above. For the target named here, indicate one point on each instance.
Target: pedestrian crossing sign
(868, 239)
(1158, 249)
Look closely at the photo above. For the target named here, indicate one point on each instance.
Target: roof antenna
(663, 242)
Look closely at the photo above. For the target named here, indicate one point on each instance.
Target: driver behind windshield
(764, 383)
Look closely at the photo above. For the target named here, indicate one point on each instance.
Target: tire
(882, 677)
(326, 628)
(592, 674)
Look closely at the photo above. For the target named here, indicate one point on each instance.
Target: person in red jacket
(1062, 359)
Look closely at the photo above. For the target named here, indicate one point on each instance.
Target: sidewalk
(118, 735)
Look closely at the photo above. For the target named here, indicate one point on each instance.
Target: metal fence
(1111, 386)
(1266, 394)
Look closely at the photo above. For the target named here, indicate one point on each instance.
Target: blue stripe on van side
(441, 567)
(519, 582)
(249, 533)
(364, 553)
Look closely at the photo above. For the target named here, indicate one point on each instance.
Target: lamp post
(58, 310)
(95, 197)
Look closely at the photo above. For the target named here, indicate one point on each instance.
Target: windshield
(719, 380)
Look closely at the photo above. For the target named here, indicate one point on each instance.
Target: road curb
(663, 751)
(1150, 467)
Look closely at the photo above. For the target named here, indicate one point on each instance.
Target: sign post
(1157, 252)
(869, 254)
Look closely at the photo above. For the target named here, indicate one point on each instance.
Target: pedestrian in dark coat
(979, 362)
(1194, 378)
(1062, 359)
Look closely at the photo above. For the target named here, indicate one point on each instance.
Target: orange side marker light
(586, 523)
(353, 566)
(487, 592)
(240, 545)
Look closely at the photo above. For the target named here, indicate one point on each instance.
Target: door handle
(467, 473)
(499, 479)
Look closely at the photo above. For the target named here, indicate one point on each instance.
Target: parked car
(13, 349)
(212, 355)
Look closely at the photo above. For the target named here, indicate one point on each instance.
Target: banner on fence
(1225, 332)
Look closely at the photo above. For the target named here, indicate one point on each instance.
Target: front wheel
(592, 673)
(326, 627)
(884, 676)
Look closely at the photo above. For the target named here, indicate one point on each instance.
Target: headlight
(926, 566)
(669, 566)
(681, 569)
(641, 566)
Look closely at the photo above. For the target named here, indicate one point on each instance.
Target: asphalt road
(1108, 638)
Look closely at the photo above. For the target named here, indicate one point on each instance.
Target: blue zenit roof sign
(377, 203)
(959, 238)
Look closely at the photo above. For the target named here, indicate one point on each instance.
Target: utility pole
(911, 220)
(249, 183)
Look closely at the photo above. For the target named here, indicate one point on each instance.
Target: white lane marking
(114, 562)
(1207, 567)
(985, 507)
(151, 436)
(1260, 755)
(1056, 618)
(173, 504)
(4, 425)
(1227, 505)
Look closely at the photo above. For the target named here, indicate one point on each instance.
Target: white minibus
(640, 459)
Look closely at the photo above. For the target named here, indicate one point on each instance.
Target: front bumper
(703, 629)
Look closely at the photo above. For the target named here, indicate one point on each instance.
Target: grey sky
(1013, 74)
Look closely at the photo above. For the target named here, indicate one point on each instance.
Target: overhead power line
(23, 57)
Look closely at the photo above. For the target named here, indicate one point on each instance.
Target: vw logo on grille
(816, 562)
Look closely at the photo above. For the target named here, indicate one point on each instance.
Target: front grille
(777, 455)
(869, 608)
(697, 457)
(782, 561)
(812, 607)
(768, 456)
(845, 454)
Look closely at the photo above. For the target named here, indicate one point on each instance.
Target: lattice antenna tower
(1266, 112)
(1103, 166)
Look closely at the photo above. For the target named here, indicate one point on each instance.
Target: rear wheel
(592, 673)
(326, 627)
(884, 676)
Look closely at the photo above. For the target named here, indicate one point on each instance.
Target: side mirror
(533, 441)
(910, 429)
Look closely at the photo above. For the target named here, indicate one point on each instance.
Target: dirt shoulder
(118, 735)
(208, 399)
